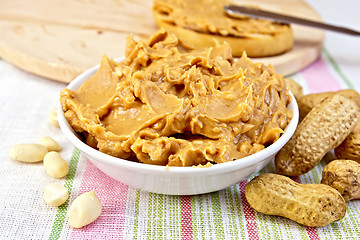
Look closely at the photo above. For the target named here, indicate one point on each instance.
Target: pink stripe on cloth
(186, 220)
(112, 195)
(319, 78)
(249, 214)
(312, 233)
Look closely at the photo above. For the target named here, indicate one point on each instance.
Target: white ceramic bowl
(175, 180)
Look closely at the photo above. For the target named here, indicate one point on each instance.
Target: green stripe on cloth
(352, 217)
(174, 213)
(160, 222)
(266, 226)
(136, 217)
(238, 210)
(237, 203)
(62, 210)
(194, 217)
(229, 199)
(164, 217)
(216, 206)
(156, 215)
(198, 222)
(337, 68)
(289, 232)
(209, 215)
(152, 216)
(335, 229)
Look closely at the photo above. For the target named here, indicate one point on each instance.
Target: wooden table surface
(59, 39)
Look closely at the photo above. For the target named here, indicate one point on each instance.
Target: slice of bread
(201, 23)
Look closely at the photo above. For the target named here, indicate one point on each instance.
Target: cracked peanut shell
(313, 205)
(323, 129)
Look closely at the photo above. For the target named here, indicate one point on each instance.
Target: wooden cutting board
(59, 39)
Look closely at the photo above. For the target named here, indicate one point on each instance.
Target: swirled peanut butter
(167, 106)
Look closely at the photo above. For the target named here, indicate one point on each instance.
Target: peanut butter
(208, 16)
(203, 23)
(168, 106)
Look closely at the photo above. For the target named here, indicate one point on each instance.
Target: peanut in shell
(309, 101)
(313, 205)
(295, 88)
(344, 176)
(323, 129)
(350, 147)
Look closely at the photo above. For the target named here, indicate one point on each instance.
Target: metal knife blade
(235, 12)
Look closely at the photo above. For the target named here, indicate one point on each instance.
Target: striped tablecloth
(129, 213)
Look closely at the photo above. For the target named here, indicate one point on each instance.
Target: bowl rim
(247, 161)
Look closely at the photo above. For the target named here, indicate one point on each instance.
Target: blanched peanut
(55, 165)
(84, 210)
(28, 152)
(52, 118)
(50, 144)
(55, 194)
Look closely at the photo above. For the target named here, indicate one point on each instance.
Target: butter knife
(235, 12)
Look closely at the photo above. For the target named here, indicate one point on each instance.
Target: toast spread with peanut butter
(203, 23)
